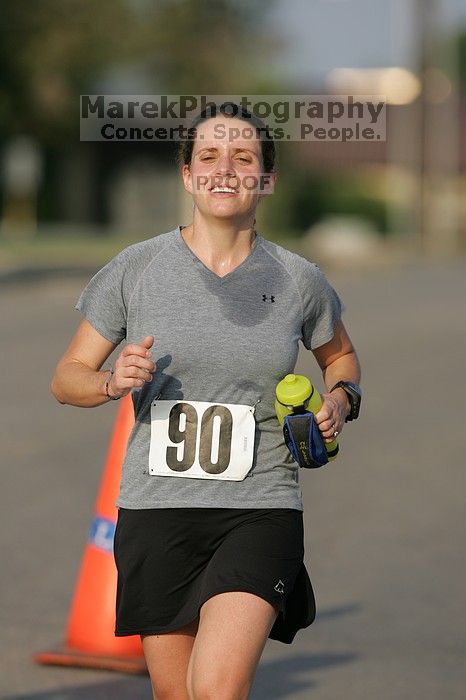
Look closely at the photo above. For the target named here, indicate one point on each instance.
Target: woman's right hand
(133, 368)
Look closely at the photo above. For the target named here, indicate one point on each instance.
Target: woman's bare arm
(338, 361)
(78, 379)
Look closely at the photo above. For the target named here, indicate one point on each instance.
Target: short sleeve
(103, 302)
(323, 309)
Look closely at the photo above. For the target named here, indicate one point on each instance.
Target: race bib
(201, 440)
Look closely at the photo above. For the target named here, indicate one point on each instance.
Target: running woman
(209, 541)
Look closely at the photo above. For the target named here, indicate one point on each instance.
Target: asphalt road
(385, 524)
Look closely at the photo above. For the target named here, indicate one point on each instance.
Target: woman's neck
(222, 246)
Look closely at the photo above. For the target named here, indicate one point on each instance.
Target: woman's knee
(167, 657)
(212, 691)
(216, 684)
(233, 629)
(169, 691)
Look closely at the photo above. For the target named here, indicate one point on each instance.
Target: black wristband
(353, 392)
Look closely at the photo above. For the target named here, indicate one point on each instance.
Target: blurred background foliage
(303, 197)
(51, 51)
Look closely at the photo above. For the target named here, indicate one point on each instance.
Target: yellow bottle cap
(293, 390)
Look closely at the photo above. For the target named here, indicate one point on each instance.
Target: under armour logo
(279, 587)
(271, 299)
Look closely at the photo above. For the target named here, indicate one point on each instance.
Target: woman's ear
(187, 178)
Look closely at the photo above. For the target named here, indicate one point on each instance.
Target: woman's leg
(167, 657)
(233, 629)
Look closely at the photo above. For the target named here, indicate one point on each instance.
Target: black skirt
(171, 560)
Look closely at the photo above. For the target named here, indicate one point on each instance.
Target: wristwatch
(354, 393)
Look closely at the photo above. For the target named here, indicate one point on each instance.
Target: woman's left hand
(331, 417)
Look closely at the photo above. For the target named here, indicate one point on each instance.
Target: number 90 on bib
(200, 440)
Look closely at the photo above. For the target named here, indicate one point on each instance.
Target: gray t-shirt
(217, 339)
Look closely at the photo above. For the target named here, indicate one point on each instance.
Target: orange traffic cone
(90, 640)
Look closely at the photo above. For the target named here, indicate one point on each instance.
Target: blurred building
(128, 188)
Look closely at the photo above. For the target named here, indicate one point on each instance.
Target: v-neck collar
(184, 246)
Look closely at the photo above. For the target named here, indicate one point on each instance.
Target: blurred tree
(205, 47)
(51, 51)
(304, 197)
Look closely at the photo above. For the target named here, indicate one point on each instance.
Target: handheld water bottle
(296, 395)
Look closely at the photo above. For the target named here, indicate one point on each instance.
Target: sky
(324, 34)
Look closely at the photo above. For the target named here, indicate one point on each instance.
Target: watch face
(354, 394)
(353, 391)
(354, 387)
